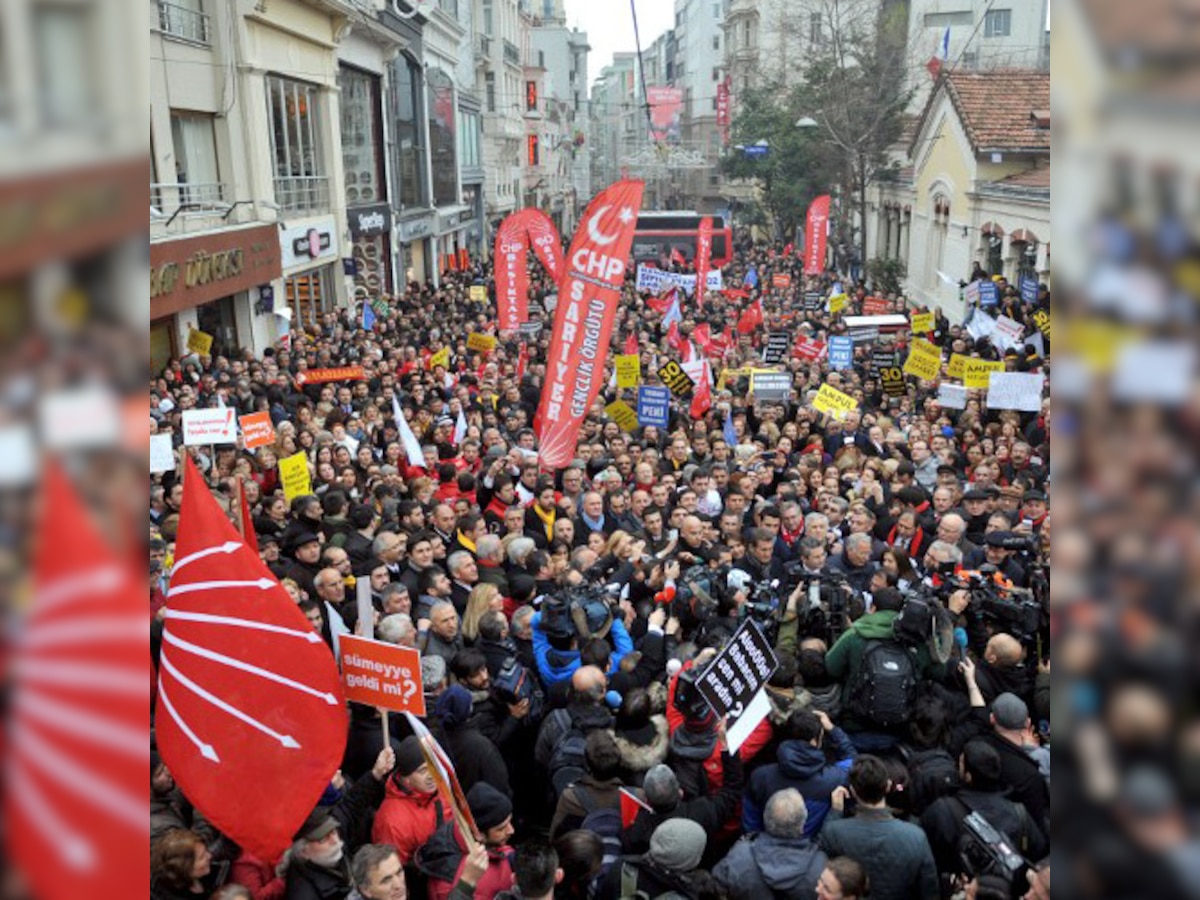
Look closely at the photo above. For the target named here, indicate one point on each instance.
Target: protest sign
(812, 301)
(199, 342)
(733, 683)
(776, 347)
(980, 325)
(1015, 390)
(257, 430)
(344, 373)
(809, 348)
(621, 413)
(673, 376)
(209, 426)
(441, 358)
(781, 280)
(658, 280)
(386, 676)
(484, 343)
(654, 406)
(530, 329)
(971, 294)
(989, 294)
(831, 400)
(162, 454)
(1007, 333)
(924, 360)
(478, 293)
(1029, 290)
(923, 322)
(876, 306)
(1041, 318)
(883, 358)
(293, 475)
(955, 369)
(841, 352)
(952, 396)
(892, 380)
(629, 370)
(771, 387)
(977, 371)
(837, 303)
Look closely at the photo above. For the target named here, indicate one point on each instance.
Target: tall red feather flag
(815, 227)
(512, 278)
(248, 534)
(77, 795)
(546, 242)
(583, 323)
(522, 360)
(703, 258)
(250, 718)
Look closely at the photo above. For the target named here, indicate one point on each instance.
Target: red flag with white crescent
(77, 793)
(703, 258)
(583, 322)
(815, 228)
(251, 718)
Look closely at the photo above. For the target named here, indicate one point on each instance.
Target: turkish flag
(77, 793)
(736, 293)
(750, 318)
(677, 257)
(674, 338)
(702, 395)
(630, 807)
(703, 258)
(251, 719)
(661, 304)
(522, 361)
(702, 335)
(583, 323)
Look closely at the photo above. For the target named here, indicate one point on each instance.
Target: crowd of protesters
(565, 617)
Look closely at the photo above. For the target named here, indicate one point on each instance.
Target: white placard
(19, 452)
(209, 426)
(162, 454)
(658, 280)
(79, 417)
(981, 325)
(1038, 341)
(952, 396)
(1007, 333)
(759, 709)
(1015, 390)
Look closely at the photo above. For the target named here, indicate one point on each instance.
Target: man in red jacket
(411, 811)
(446, 854)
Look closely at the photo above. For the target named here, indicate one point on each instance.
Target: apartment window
(449, 7)
(442, 141)
(814, 28)
(489, 91)
(488, 23)
(541, 59)
(63, 42)
(716, 42)
(362, 136)
(716, 13)
(944, 20)
(409, 147)
(195, 144)
(997, 23)
(716, 74)
(468, 139)
(184, 19)
(300, 181)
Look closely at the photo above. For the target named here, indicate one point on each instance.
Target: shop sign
(368, 221)
(414, 229)
(309, 243)
(188, 272)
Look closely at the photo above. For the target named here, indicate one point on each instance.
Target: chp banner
(815, 228)
(703, 256)
(519, 231)
(583, 322)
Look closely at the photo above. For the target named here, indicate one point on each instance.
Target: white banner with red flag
(816, 229)
(703, 257)
(251, 718)
(583, 322)
(519, 231)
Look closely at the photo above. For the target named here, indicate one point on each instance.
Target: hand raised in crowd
(384, 763)
(475, 865)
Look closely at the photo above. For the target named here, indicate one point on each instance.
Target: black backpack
(567, 764)
(604, 822)
(931, 774)
(886, 685)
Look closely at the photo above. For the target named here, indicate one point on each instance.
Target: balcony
(303, 194)
(185, 24)
(511, 53)
(190, 201)
(484, 47)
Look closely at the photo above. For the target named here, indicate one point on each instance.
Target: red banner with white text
(815, 228)
(546, 242)
(703, 257)
(587, 305)
(512, 279)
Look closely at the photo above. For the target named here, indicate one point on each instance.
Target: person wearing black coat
(475, 758)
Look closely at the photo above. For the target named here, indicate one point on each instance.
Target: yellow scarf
(547, 520)
(466, 542)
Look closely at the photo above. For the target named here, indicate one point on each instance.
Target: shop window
(309, 294)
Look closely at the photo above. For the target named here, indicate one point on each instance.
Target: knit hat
(488, 806)
(453, 706)
(678, 844)
(317, 826)
(409, 757)
(1010, 711)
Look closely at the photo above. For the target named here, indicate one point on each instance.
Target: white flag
(412, 447)
(460, 427)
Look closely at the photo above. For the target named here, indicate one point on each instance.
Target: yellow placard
(837, 303)
(484, 343)
(629, 370)
(831, 400)
(478, 293)
(199, 342)
(924, 360)
(923, 322)
(441, 358)
(976, 372)
(623, 414)
(955, 369)
(1041, 318)
(293, 472)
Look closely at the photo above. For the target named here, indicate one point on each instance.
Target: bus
(660, 233)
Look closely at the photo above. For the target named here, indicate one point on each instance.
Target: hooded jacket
(406, 819)
(559, 665)
(760, 867)
(638, 758)
(803, 767)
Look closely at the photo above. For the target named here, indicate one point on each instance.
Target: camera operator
(996, 552)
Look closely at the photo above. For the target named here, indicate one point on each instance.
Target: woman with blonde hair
(483, 597)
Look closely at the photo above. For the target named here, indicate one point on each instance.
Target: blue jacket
(803, 767)
(559, 665)
(761, 866)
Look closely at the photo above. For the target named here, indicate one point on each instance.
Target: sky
(609, 26)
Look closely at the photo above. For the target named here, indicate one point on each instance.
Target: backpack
(629, 887)
(605, 822)
(886, 684)
(931, 774)
(567, 762)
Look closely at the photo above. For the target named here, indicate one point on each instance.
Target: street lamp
(807, 122)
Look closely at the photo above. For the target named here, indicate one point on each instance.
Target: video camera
(582, 611)
(1010, 609)
(983, 850)
(825, 611)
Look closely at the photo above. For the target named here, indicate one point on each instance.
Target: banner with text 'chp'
(517, 233)
(815, 228)
(588, 296)
(703, 257)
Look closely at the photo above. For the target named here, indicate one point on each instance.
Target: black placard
(892, 380)
(776, 347)
(673, 376)
(772, 387)
(738, 672)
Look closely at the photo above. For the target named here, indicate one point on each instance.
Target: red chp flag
(546, 242)
(583, 323)
(751, 318)
(251, 719)
(815, 228)
(703, 258)
(75, 804)
(512, 278)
